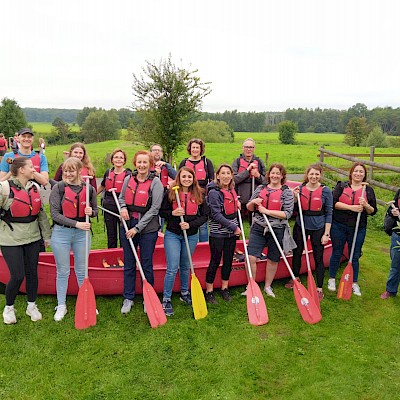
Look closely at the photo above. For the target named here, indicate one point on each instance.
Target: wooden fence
(323, 153)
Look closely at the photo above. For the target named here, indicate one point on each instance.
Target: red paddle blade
(85, 312)
(346, 282)
(256, 308)
(153, 306)
(308, 309)
(312, 289)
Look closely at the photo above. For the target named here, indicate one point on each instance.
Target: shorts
(257, 242)
(2, 152)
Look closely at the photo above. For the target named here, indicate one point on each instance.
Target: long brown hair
(195, 190)
(86, 159)
(216, 180)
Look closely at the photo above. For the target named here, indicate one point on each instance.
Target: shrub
(287, 132)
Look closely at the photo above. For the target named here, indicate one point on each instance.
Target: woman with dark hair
(224, 229)
(316, 205)
(347, 203)
(204, 170)
(140, 200)
(113, 178)
(275, 200)
(194, 212)
(22, 222)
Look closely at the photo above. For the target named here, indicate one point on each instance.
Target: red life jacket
(230, 203)
(35, 160)
(84, 171)
(114, 180)
(188, 203)
(3, 144)
(138, 195)
(271, 199)
(26, 205)
(349, 196)
(164, 176)
(244, 164)
(199, 169)
(311, 201)
(73, 204)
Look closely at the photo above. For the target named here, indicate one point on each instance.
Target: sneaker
(385, 295)
(126, 306)
(269, 291)
(9, 315)
(61, 310)
(210, 298)
(332, 284)
(167, 307)
(320, 295)
(186, 298)
(33, 312)
(226, 295)
(289, 285)
(244, 293)
(144, 308)
(356, 289)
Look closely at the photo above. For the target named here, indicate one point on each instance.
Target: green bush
(287, 132)
(212, 131)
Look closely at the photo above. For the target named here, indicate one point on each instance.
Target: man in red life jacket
(249, 172)
(41, 175)
(162, 169)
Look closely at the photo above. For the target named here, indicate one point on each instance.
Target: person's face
(248, 149)
(118, 159)
(142, 164)
(195, 150)
(157, 153)
(358, 174)
(186, 179)
(27, 170)
(71, 176)
(314, 176)
(275, 176)
(225, 176)
(26, 140)
(78, 153)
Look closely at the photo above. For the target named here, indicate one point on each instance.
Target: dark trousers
(220, 247)
(317, 248)
(22, 262)
(112, 226)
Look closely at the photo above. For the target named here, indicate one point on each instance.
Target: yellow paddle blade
(198, 301)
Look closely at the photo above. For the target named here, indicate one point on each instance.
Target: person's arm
(210, 170)
(93, 201)
(4, 176)
(261, 169)
(42, 177)
(369, 203)
(171, 172)
(239, 177)
(215, 203)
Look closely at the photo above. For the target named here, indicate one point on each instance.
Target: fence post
(266, 159)
(371, 158)
(321, 155)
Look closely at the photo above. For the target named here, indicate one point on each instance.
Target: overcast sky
(260, 55)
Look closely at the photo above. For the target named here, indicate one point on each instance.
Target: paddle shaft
(130, 239)
(244, 244)
(178, 200)
(87, 233)
(109, 212)
(303, 231)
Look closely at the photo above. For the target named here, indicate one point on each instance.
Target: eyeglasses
(156, 150)
(248, 147)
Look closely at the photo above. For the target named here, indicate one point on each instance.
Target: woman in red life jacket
(68, 209)
(316, 205)
(347, 203)
(113, 178)
(78, 150)
(224, 229)
(22, 220)
(3, 146)
(275, 200)
(140, 200)
(204, 170)
(194, 211)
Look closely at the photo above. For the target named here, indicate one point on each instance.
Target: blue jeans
(177, 258)
(203, 232)
(62, 241)
(146, 242)
(340, 234)
(392, 284)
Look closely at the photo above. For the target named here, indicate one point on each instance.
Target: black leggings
(317, 248)
(22, 262)
(219, 246)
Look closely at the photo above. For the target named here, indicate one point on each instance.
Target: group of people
(195, 199)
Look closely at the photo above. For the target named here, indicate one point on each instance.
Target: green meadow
(351, 354)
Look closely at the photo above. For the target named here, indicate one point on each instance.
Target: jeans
(340, 234)
(146, 242)
(203, 232)
(392, 284)
(62, 241)
(177, 258)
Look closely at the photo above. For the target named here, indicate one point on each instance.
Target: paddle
(346, 281)
(85, 311)
(110, 212)
(154, 309)
(311, 287)
(308, 309)
(256, 308)
(198, 301)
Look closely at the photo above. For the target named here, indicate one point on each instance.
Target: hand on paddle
(131, 233)
(124, 214)
(85, 226)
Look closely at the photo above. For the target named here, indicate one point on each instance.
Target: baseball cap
(25, 130)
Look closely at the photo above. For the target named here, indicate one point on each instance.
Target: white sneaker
(332, 285)
(9, 315)
(33, 312)
(269, 291)
(126, 306)
(60, 313)
(144, 308)
(244, 293)
(356, 289)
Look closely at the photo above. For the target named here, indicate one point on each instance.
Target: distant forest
(308, 120)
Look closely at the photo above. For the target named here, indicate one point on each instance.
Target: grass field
(351, 354)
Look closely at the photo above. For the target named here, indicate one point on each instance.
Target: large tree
(357, 131)
(170, 98)
(12, 119)
(100, 126)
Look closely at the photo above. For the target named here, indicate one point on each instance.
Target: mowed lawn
(351, 354)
